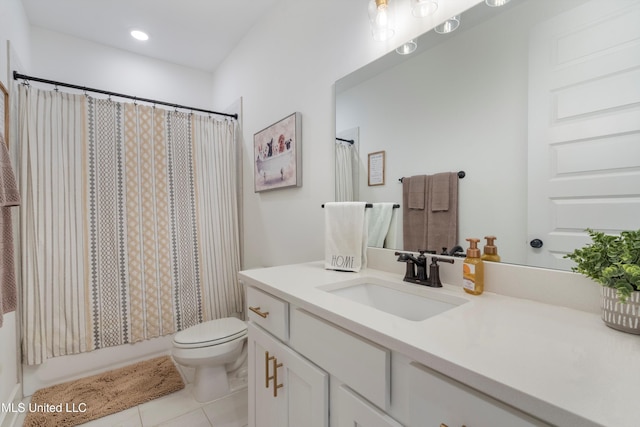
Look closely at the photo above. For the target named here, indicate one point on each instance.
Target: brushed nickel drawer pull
(257, 311)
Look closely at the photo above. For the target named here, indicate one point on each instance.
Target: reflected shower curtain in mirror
(129, 225)
(345, 158)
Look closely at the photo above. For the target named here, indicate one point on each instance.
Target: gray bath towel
(414, 229)
(442, 219)
(9, 197)
(436, 226)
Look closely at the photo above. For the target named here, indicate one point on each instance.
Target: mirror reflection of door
(584, 127)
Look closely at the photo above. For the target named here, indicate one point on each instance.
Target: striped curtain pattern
(129, 223)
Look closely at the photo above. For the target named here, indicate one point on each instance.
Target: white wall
(59, 57)
(14, 27)
(289, 62)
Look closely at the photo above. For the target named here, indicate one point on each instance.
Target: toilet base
(210, 383)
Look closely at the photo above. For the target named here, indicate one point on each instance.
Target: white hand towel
(345, 236)
(391, 241)
(379, 219)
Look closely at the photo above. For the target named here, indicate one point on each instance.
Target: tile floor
(180, 409)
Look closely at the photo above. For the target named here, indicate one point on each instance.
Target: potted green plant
(614, 262)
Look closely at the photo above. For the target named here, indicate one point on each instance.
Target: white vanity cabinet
(285, 389)
(296, 358)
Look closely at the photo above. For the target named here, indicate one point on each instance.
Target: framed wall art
(376, 168)
(277, 155)
(4, 113)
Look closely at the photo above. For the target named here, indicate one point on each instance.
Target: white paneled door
(584, 127)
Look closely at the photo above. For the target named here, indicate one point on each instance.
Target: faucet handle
(434, 272)
(410, 273)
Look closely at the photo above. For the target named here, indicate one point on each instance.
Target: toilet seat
(211, 333)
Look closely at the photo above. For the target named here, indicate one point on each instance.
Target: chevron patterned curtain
(129, 225)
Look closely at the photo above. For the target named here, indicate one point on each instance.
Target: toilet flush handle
(257, 311)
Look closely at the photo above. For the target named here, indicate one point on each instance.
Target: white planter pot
(622, 316)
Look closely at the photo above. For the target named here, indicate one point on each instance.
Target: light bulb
(496, 3)
(381, 20)
(407, 48)
(448, 26)
(422, 8)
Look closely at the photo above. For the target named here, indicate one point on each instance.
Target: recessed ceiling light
(139, 35)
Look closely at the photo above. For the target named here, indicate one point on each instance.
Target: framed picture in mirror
(376, 168)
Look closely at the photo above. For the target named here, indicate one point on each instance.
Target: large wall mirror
(537, 101)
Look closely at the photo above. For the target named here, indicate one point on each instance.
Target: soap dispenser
(490, 252)
(473, 269)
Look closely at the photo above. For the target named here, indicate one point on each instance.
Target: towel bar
(370, 205)
(461, 175)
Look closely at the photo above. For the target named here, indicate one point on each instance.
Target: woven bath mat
(86, 399)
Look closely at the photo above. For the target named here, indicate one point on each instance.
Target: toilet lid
(211, 333)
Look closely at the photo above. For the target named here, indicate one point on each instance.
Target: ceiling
(194, 33)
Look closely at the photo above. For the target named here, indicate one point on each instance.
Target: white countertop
(562, 365)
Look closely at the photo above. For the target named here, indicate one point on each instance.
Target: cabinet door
(355, 411)
(265, 410)
(285, 389)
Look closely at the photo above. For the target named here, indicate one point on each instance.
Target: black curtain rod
(350, 141)
(370, 205)
(461, 175)
(17, 76)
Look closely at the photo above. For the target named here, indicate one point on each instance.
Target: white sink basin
(409, 303)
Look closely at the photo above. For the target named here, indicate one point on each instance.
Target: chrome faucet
(416, 271)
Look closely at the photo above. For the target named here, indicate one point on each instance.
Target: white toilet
(214, 348)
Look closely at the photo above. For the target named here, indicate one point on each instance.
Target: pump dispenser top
(473, 251)
(491, 250)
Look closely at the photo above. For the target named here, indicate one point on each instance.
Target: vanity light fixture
(139, 35)
(381, 19)
(448, 26)
(496, 3)
(422, 8)
(407, 48)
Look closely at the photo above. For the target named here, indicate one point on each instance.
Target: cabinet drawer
(361, 364)
(269, 312)
(354, 411)
(437, 399)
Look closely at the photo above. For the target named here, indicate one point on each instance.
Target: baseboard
(67, 368)
(11, 409)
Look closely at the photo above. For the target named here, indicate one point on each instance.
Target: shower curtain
(129, 224)
(345, 159)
